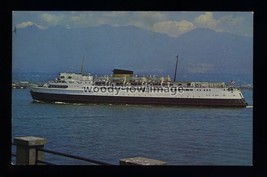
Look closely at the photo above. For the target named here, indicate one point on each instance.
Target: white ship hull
(180, 96)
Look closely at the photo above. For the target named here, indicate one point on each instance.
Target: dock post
(141, 161)
(26, 149)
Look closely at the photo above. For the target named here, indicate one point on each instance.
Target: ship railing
(30, 151)
(38, 158)
(156, 85)
(91, 161)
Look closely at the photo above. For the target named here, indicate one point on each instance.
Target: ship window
(204, 89)
(191, 89)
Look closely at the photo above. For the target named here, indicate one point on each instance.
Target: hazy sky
(170, 23)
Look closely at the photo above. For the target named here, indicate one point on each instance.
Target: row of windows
(59, 81)
(188, 89)
(204, 89)
(80, 82)
(57, 86)
(62, 77)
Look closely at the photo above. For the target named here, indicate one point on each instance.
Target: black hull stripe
(48, 97)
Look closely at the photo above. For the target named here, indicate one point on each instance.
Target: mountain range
(104, 48)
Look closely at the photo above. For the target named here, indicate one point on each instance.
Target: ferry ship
(124, 87)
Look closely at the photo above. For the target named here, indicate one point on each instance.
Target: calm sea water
(177, 135)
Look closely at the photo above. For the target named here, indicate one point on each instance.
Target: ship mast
(174, 78)
(82, 66)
